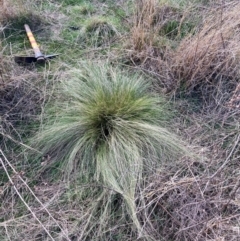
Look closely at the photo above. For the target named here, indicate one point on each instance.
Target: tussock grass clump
(209, 60)
(107, 129)
(105, 106)
(85, 9)
(98, 31)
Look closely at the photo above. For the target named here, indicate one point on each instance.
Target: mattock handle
(37, 52)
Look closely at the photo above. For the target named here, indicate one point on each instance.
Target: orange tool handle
(33, 42)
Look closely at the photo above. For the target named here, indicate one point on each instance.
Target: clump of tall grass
(157, 27)
(98, 31)
(108, 128)
(209, 60)
(144, 32)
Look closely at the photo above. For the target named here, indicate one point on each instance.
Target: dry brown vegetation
(20, 100)
(193, 202)
(199, 200)
(211, 56)
(10, 9)
(155, 26)
(206, 61)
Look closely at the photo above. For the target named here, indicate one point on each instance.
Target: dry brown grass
(10, 9)
(20, 99)
(199, 200)
(210, 58)
(205, 63)
(145, 37)
(184, 202)
(156, 27)
(142, 36)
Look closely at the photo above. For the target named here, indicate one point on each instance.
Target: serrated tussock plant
(107, 127)
(98, 31)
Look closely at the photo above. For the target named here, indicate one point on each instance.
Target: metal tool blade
(25, 59)
(32, 59)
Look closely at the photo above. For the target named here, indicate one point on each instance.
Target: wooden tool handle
(33, 42)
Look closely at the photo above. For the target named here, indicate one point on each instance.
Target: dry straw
(148, 41)
(212, 54)
(187, 204)
(11, 8)
(144, 29)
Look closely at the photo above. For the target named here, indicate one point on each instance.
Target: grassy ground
(132, 132)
